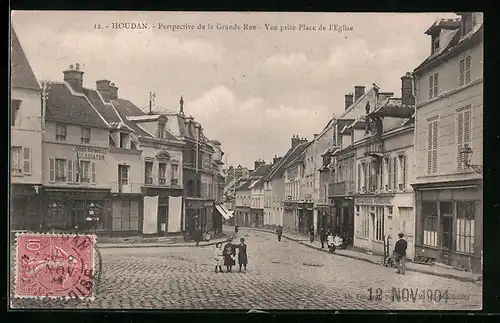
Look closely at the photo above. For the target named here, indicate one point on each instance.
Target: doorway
(447, 230)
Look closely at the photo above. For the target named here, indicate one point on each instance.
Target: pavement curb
(160, 245)
(459, 278)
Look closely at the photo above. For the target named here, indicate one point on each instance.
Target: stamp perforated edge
(93, 238)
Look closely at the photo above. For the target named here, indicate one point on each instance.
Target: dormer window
(124, 138)
(161, 130)
(435, 44)
(467, 23)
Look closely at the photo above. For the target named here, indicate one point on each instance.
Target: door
(447, 230)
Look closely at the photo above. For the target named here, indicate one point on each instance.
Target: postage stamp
(55, 266)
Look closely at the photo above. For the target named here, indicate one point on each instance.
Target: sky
(252, 90)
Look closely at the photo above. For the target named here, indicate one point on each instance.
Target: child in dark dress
(229, 256)
(242, 254)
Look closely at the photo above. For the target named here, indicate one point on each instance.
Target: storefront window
(378, 216)
(465, 227)
(429, 212)
(365, 222)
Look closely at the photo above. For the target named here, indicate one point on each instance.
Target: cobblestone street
(281, 275)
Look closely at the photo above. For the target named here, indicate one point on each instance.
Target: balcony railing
(162, 181)
(341, 188)
(128, 188)
(148, 180)
(374, 148)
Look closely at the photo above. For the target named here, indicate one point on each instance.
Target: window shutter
(27, 160)
(467, 128)
(93, 177)
(395, 176)
(460, 141)
(462, 71)
(467, 69)
(431, 86)
(434, 146)
(52, 170)
(436, 84)
(70, 171)
(77, 171)
(429, 148)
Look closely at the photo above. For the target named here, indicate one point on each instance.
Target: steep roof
(126, 108)
(106, 110)
(65, 106)
(279, 168)
(244, 186)
(261, 171)
(21, 73)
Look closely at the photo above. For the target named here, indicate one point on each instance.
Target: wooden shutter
(52, 170)
(436, 84)
(462, 72)
(77, 171)
(434, 146)
(389, 179)
(460, 138)
(467, 128)
(429, 148)
(395, 175)
(70, 171)
(93, 175)
(431, 86)
(467, 69)
(27, 160)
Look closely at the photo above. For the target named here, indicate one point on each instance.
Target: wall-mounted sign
(372, 200)
(158, 145)
(91, 153)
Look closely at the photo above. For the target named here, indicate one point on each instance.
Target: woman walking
(229, 256)
(242, 254)
(219, 257)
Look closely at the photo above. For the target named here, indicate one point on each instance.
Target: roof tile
(21, 72)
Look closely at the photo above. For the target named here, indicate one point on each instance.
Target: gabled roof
(105, 109)
(261, 171)
(66, 106)
(279, 168)
(126, 108)
(244, 186)
(21, 73)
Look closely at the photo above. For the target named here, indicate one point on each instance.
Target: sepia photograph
(255, 161)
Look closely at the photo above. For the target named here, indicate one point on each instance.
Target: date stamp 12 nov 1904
(55, 266)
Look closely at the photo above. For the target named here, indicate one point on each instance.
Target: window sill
(17, 174)
(363, 238)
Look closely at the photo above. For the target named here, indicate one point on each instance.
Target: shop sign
(81, 195)
(372, 200)
(91, 153)
(157, 145)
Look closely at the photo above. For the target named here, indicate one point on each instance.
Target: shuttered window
(465, 65)
(52, 170)
(27, 160)
(93, 173)
(432, 146)
(395, 175)
(70, 171)
(463, 133)
(390, 173)
(433, 85)
(359, 177)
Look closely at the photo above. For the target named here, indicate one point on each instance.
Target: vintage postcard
(244, 160)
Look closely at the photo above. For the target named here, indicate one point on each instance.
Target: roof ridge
(74, 93)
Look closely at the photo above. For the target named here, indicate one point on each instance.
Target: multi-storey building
(243, 202)
(383, 151)
(307, 182)
(26, 142)
(449, 143)
(220, 213)
(270, 218)
(257, 193)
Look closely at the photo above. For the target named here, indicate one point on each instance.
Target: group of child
(227, 256)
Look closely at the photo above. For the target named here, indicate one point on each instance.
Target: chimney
(349, 100)
(316, 135)
(276, 159)
(113, 92)
(74, 77)
(295, 140)
(407, 97)
(358, 92)
(258, 163)
(103, 87)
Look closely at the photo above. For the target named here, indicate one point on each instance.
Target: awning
(226, 214)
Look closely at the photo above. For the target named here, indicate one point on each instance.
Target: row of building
(389, 164)
(85, 157)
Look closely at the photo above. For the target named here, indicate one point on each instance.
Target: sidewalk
(436, 270)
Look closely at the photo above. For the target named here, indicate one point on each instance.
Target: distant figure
(311, 234)
(330, 241)
(279, 232)
(337, 241)
(236, 228)
(242, 254)
(197, 235)
(400, 254)
(219, 257)
(229, 256)
(322, 237)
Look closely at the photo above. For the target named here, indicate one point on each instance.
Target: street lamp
(466, 154)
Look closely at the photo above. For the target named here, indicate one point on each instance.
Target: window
(378, 224)
(467, 23)
(16, 163)
(148, 176)
(61, 132)
(435, 44)
(395, 175)
(123, 140)
(365, 224)
(85, 135)
(402, 164)
(93, 176)
(465, 227)
(85, 171)
(463, 133)
(429, 212)
(123, 174)
(60, 170)
(433, 86)
(465, 70)
(365, 174)
(15, 111)
(162, 170)
(432, 146)
(373, 176)
(27, 160)
(161, 130)
(390, 173)
(111, 141)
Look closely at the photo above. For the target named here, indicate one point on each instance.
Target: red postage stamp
(55, 266)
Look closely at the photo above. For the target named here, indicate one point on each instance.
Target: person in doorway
(322, 237)
(279, 232)
(400, 254)
(219, 257)
(242, 254)
(229, 256)
(197, 235)
(311, 234)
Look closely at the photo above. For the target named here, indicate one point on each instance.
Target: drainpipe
(415, 163)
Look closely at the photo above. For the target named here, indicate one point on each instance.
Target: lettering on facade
(374, 200)
(76, 195)
(156, 145)
(91, 153)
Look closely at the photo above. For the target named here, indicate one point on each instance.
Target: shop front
(199, 212)
(257, 218)
(76, 210)
(343, 219)
(289, 216)
(324, 212)
(305, 215)
(449, 224)
(169, 209)
(26, 207)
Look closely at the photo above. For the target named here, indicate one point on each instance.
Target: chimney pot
(71, 67)
(407, 97)
(358, 92)
(349, 100)
(77, 66)
(74, 78)
(103, 87)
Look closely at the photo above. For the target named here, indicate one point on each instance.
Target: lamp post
(466, 154)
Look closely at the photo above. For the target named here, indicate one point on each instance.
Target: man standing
(311, 234)
(322, 237)
(400, 254)
(279, 232)
(197, 235)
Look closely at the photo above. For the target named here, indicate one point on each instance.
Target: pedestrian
(322, 237)
(311, 234)
(236, 228)
(330, 241)
(337, 241)
(279, 232)
(229, 256)
(400, 254)
(197, 235)
(242, 254)
(219, 257)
